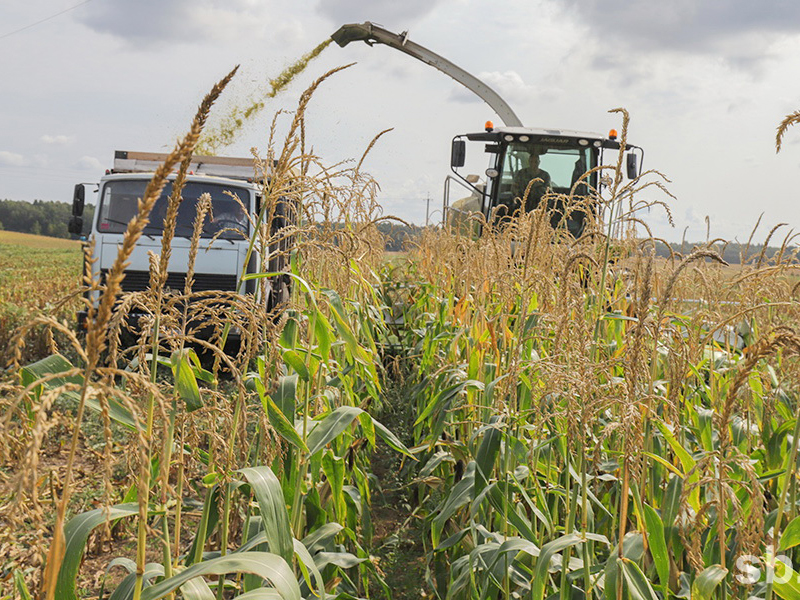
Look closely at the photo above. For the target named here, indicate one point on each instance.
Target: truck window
(229, 212)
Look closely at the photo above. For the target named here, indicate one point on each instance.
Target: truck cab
(222, 256)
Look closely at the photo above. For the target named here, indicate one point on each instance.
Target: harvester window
(557, 168)
(538, 169)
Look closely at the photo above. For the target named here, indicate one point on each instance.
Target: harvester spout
(374, 34)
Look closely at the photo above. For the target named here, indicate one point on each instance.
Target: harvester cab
(525, 166)
(524, 163)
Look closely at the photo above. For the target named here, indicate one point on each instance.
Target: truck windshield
(119, 204)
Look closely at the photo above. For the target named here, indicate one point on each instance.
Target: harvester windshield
(557, 169)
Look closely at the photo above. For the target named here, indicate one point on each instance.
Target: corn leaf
(639, 587)
(55, 364)
(541, 572)
(294, 360)
(185, 380)
(264, 564)
(274, 515)
(280, 422)
(307, 564)
(705, 583)
(791, 535)
(76, 533)
(786, 581)
(657, 542)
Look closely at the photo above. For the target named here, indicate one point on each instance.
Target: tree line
(41, 217)
(51, 218)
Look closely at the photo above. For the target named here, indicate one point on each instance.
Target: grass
(35, 273)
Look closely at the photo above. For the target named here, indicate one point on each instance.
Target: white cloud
(11, 159)
(509, 84)
(163, 22)
(89, 163)
(739, 32)
(56, 140)
(389, 13)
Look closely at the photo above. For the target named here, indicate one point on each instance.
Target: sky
(706, 83)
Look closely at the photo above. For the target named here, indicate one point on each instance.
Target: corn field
(579, 419)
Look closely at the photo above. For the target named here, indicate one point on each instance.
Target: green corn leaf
(504, 506)
(488, 451)
(345, 331)
(322, 332)
(791, 535)
(261, 594)
(705, 583)
(460, 495)
(185, 380)
(264, 564)
(318, 539)
(307, 564)
(125, 588)
(335, 422)
(274, 515)
(279, 421)
(333, 467)
(639, 587)
(55, 364)
(687, 462)
(541, 572)
(291, 331)
(391, 439)
(632, 549)
(658, 543)
(76, 533)
(330, 427)
(285, 395)
(197, 589)
(294, 360)
(452, 540)
(344, 560)
(21, 586)
(208, 521)
(786, 582)
(367, 427)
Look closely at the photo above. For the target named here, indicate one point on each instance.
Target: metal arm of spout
(371, 34)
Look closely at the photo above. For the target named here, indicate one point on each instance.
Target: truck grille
(137, 281)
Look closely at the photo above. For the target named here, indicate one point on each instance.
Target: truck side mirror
(458, 155)
(78, 200)
(75, 225)
(632, 165)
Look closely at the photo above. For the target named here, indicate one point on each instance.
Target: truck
(562, 156)
(222, 257)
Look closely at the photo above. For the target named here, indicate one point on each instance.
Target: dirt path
(398, 530)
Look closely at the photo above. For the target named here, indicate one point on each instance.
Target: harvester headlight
(597, 143)
(508, 138)
(523, 138)
(492, 172)
(583, 142)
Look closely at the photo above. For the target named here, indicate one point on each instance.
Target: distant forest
(40, 217)
(51, 218)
